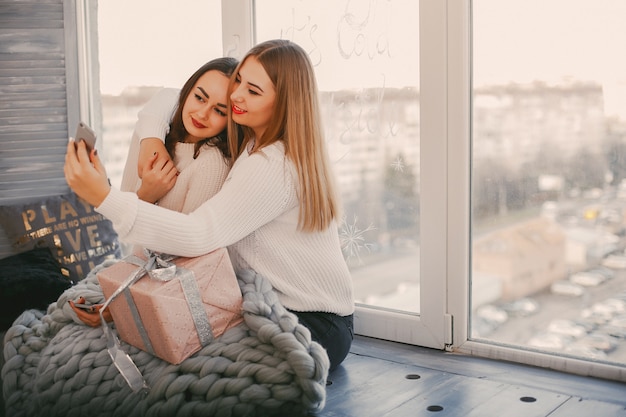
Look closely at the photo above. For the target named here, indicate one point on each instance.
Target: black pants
(333, 332)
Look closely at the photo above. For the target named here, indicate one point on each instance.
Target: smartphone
(84, 132)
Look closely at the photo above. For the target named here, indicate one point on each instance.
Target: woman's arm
(150, 149)
(258, 189)
(156, 171)
(153, 124)
(159, 177)
(130, 178)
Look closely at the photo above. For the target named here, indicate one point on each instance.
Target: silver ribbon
(158, 267)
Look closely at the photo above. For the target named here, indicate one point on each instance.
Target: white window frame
(87, 73)
(458, 93)
(432, 327)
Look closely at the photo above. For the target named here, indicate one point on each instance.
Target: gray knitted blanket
(268, 366)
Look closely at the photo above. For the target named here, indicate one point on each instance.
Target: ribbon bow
(158, 266)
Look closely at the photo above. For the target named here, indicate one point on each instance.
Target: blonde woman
(278, 210)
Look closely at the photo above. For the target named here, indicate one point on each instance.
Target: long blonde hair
(297, 122)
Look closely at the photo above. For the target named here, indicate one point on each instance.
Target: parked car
(584, 351)
(492, 314)
(587, 278)
(521, 307)
(616, 327)
(550, 341)
(615, 261)
(595, 316)
(604, 311)
(615, 306)
(567, 328)
(599, 341)
(618, 332)
(607, 273)
(565, 287)
(619, 321)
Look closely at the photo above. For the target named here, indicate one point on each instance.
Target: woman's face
(253, 97)
(204, 110)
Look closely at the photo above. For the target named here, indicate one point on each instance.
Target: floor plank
(577, 407)
(372, 386)
(519, 402)
(454, 397)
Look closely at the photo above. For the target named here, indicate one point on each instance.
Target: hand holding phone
(84, 132)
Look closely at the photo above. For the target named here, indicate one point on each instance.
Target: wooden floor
(385, 379)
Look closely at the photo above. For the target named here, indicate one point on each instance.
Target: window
(366, 61)
(548, 219)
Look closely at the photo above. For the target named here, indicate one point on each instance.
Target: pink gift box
(164, 313)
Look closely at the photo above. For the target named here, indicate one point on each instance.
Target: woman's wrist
(101, 195)
(146, 196)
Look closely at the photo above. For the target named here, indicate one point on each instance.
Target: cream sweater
(199, 178)
(255, 215)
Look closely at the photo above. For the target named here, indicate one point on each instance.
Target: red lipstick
(197, 124)
(237, 110)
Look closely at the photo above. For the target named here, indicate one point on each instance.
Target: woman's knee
(333, 332)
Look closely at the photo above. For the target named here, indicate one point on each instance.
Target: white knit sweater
(255, 215)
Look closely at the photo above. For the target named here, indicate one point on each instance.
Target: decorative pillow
(31, 279)
(78, 237)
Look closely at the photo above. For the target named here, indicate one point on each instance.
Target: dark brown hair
(177, 131)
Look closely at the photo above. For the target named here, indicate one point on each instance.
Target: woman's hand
(85, 174)
(90, 314)
(158, 177)
(148, 147)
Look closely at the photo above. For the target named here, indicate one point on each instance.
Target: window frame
(87, 73)
(458, 257)
(432, 327)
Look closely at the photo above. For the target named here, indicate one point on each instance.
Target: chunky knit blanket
(268, 366)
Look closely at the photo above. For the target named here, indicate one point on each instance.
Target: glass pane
(549, 176)
(145, 45)
(366, 60)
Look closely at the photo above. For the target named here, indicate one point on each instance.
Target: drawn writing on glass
(359, 33)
